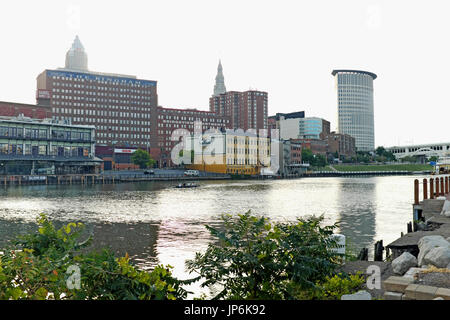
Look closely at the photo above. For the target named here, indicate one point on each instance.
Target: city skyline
(271, 54)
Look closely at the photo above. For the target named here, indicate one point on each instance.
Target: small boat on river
(186, 185)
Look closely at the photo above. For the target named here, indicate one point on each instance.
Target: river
(156, 223)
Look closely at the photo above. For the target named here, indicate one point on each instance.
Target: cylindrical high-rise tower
(355, 106)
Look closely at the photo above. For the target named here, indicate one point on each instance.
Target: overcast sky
(287, 48)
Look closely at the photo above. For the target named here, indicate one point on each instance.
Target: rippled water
(156, 223)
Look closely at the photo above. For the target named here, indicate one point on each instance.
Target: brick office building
(247, 110)
(12, 109)
(121, 107)
(343, 144)
(170, 119)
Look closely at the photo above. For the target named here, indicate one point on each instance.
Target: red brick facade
(11, 109)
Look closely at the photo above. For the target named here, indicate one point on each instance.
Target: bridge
(425, 150)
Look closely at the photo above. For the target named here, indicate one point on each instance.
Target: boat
(186, 185)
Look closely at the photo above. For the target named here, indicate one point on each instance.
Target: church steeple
(219, 87)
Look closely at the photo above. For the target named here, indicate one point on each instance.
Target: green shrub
(39, 270)
(257, 260)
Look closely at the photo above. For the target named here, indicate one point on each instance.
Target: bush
(42, 269)
(334, 287)
(257, 260)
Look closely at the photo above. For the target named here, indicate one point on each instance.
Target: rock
(446, 209)
(403, 263)
(412, 272)
(438, 257)
(360, 295)
(427, 243)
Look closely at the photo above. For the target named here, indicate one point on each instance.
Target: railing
(439, 186)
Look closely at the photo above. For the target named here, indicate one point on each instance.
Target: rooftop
(373, 75)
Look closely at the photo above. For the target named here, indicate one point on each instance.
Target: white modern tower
(219, 87)
(76, 57)
(355, 106)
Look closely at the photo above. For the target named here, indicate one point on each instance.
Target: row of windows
(28, 133)
(44, 150)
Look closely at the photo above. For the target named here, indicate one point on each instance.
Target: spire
(76, 57)
(219, 87)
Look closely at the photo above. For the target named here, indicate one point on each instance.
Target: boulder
(360, 295)
(446, 209)
(412, 272)
(438, 257)
(403, 263)
(427, 243)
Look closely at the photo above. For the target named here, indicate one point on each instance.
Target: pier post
(425, 189)
(446, 185)
(437, 187)
(416, 191)
(442, 186)
(431, 188)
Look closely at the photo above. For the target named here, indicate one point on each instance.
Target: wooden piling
(425, 189)
(446, 185)
(437, 187)
(416, 191)
(431, 188)
(442, 186)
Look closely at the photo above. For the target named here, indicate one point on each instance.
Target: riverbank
(382, 167)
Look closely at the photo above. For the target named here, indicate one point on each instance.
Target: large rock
(438, 257)
(427, 243)
(403, 263)
(446, 209)
(360, 295)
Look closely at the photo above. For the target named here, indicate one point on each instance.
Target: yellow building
(236, 152)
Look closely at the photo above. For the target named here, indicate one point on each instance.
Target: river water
(156, 223)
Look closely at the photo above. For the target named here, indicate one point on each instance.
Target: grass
(387, 167)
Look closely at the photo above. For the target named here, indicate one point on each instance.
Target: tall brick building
(247, 110)
(12, 109)
(121, 107)
(170, 119)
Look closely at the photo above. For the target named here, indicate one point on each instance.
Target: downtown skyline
(294, 68)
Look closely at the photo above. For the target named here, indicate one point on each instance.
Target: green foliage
(39, 270)
(257, 260)
(142, 159)
(333, 287)
(315, 160)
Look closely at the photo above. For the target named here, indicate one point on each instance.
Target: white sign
(124, 150)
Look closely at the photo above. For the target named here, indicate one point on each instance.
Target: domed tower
(76, 57)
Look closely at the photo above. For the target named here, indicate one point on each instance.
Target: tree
(43, 269)
(433, 159)
(255, 259)
(142, 159)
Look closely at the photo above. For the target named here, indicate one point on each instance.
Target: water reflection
(357, 207)
(156, 223)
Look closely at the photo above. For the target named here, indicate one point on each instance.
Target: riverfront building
(30, 146)
(355, 106)
(121, 107)
(231, 151)
(170, 119)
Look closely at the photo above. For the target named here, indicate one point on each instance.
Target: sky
(287, 48)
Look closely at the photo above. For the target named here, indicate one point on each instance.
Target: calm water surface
(156, 223)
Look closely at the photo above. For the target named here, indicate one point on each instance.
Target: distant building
(170, 119)
(290, 162)
(13, 109)
(355, 106)
(219, 87)
(247, 110)
(242, 153)
(33, 147)
(302, 128)
(121, 107)
(342, 144)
